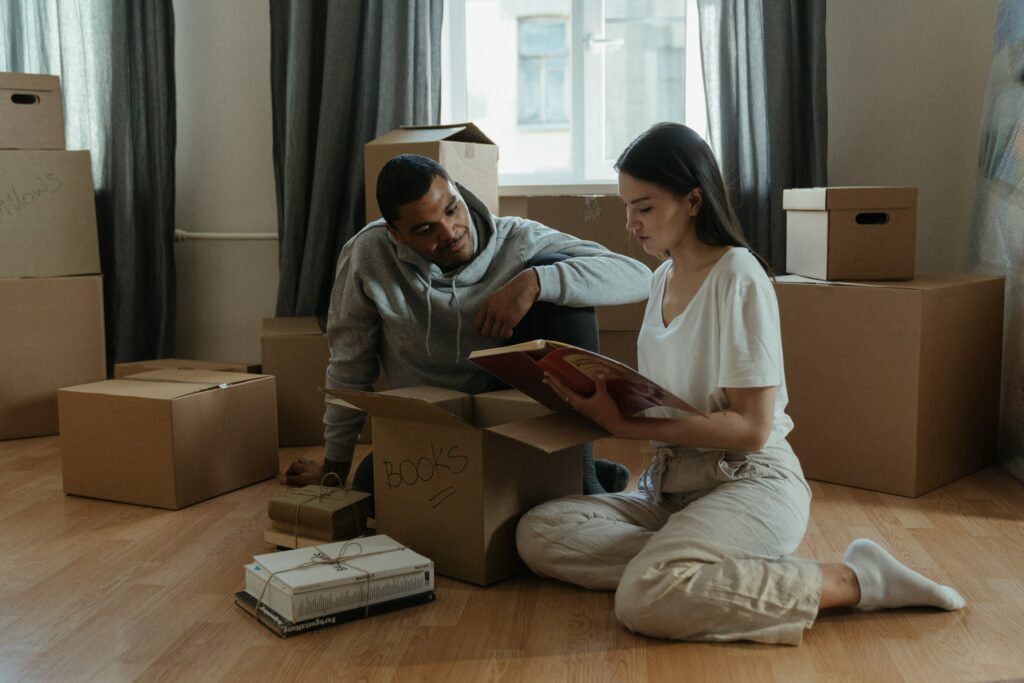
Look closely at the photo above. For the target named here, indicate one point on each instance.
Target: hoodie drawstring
(426, 343)
(458, 328)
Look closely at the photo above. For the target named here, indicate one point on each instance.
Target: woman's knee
(654, 602)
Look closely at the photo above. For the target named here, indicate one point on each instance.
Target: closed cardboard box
(600, 219)
(893, 386)
(125, 369)
(295, 352)
(47, 214)
(620, 345)
(453, 473)
(469, 157)
(31, 112)
(51, 337)
(851, 233)
(168, 438)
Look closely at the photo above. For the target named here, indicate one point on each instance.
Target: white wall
(225, 177)
(906, 79)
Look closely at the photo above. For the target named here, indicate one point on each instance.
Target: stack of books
(300, 590)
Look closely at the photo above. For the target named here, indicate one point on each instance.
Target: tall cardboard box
(893, 386)
(135, 367)
(600, 219)
(31, 112)
(295, 351)
(468, 155)
(620, 345)
(453, 473)
(47, 214)
(51, 336)
(168, 438)
(851, 233)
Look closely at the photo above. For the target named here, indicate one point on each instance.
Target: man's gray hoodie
(391, 308)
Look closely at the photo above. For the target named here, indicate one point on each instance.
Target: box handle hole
(872, 218)
(24, 98)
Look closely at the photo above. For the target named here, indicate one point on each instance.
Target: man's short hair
(404, 179)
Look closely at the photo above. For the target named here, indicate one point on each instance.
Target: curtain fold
(116, 63)
(765, 83)
(996, 244)
(342, 73)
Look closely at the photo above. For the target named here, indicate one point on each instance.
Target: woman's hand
(600, 407)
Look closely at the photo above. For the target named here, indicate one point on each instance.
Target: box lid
(921, 281)
(291, 327)
(821, 198)
(416, 404)
(29, 82)
(455, 132)
(211, 377)
(182, 364)
(164, 384)
(551, 433)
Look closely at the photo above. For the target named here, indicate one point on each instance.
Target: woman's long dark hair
(673, 157)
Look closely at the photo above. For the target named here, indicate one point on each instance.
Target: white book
(323, 589)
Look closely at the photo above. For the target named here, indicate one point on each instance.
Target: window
(564, 85)
(543, 96)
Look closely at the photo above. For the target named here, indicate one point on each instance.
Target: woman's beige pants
(699, 552)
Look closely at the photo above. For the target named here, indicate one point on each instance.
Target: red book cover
(523, 366)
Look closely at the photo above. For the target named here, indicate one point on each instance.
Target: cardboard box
(31, 112)
(468, 155)
(168, 438)
(51, 337)
(893, 386)
(125, 369)
(47, 215)
(851, 233)
(453, 473)
(296, 352)
(600, 219)
(620, 345)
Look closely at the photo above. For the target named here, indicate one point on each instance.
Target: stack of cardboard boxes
(893, 377)
(51, 291)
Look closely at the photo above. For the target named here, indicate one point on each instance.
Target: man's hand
(506, 307)
(304, 472)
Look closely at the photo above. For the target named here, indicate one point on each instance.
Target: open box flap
(921, 281)
(551, 433)
(419, 404)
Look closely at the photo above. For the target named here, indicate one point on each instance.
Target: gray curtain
(764, 77)
(116, 63)
(996, 238)
(342, 73)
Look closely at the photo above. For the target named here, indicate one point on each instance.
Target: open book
(523, 366)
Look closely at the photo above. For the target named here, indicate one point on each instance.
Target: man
(440, 277)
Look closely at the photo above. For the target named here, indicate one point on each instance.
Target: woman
(701, 550)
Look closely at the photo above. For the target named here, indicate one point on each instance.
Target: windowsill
(596, 187)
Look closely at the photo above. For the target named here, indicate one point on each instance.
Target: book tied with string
(522, 366)
(335, 582)
(328, 513)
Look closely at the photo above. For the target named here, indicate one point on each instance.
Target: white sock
(886, 582)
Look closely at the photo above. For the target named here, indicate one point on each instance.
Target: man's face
(436, 226)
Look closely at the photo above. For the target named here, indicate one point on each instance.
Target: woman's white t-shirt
(728, 336)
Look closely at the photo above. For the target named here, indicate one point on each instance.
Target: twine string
(321, 558)
(325, 492)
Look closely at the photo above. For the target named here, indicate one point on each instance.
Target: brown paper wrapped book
(323, 512)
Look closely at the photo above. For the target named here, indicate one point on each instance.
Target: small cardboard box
(851, 233)
(133, 368)
(168, 438)
(31, 112)
(468, 155)
(453, 473)
(600, 219)
(51, 337)
(47, 214)
(893, 386)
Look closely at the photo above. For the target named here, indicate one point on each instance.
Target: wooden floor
(101, 591)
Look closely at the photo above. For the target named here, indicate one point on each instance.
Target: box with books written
(325, 512)
(307, 583)
(454, 472)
